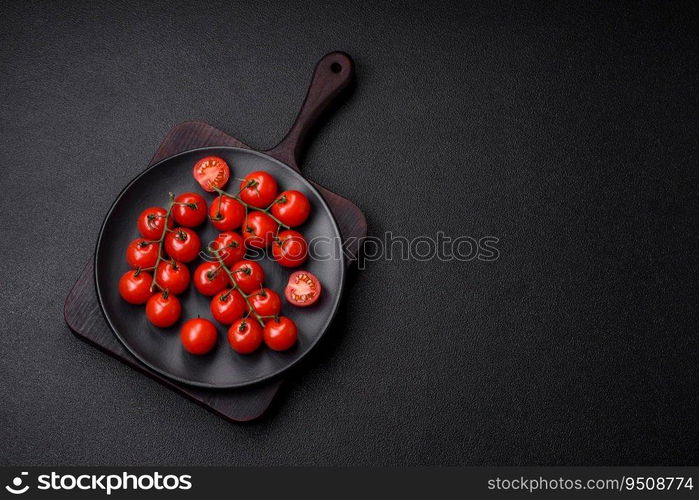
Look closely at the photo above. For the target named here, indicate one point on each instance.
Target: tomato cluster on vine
(239, 299)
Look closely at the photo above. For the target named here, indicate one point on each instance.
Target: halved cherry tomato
(163, 309)
(134, 286)
(226, 213)
(142, 253)
(259, 230)
(198, 335)
(245, 336)
(211, 171)
(290, 248)
(173, 276)
(228, 306)
(280, 335)
(292, 208)
(230, 246)
(189, 209)
(182, 244)
(266, 302)
(151, 223)
(303, 289)
(248, 275)
(258, 189)
(209, 279)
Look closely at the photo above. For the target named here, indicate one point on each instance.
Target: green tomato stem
(222, 265)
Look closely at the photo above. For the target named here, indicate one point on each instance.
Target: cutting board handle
(332, 75)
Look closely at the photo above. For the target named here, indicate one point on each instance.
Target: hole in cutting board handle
(335, 67)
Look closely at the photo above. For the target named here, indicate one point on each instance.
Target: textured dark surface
(568, 131)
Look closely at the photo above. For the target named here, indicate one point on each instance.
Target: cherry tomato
(245, 336)
(134, 287)
(290, 249)
(208, 279)
(303, 289)
(248, 275)
(142, 253)
(259, 230)
(228, 306)
(182, 244)
(266, 302)
(211, 171)
(189, 209)
(226, 213)
(230, 246)
(151, 223)
(292, 208)
(258, 189)
(198, 335)
(163, 309)
(280, 335)
(173, 276)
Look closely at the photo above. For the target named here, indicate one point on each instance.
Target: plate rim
(324, 328)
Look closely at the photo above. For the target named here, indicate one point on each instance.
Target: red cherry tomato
(259, 230)
(198, 335)
(163, 309)
(228, 306)
(245, 336)
(230, 246)
(134, 287)
(182, 244)
(173, 276)
(211, 171)
(280, 335)
(142, 253)
(258, 189)
(266, 302)
(303, 289)
(290, 249)
(248, 275)
(151, 223)
(292, 208)
(208, 279)
(189, 209)
(226, 214)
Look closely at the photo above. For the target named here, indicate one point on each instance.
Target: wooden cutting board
(82, 311)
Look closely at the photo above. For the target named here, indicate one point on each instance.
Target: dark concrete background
(567, 130)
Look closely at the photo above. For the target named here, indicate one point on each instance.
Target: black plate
(160, 348)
